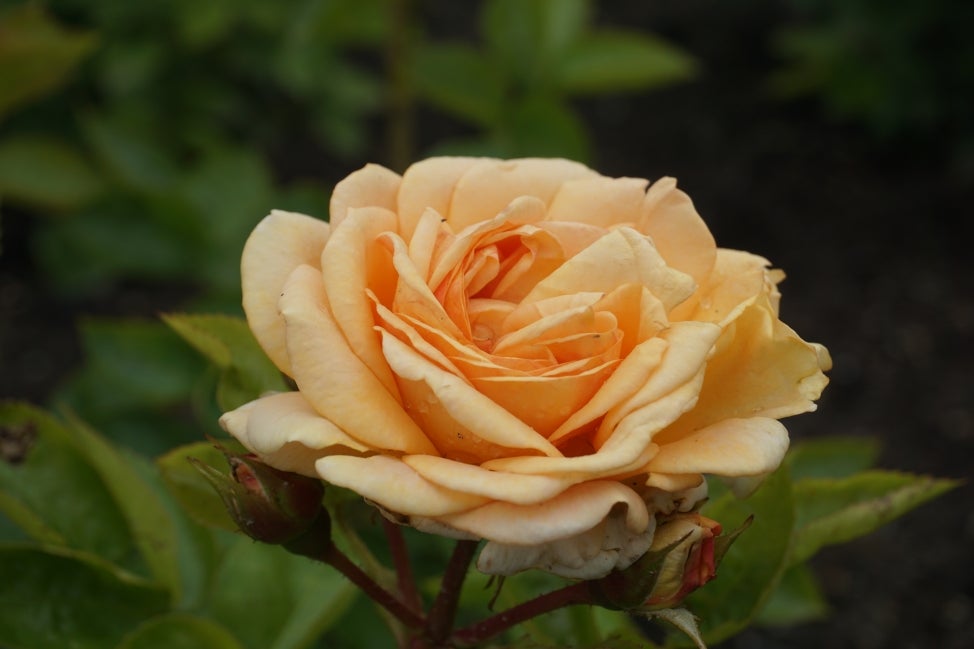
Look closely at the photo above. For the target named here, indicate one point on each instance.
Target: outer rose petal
(430, 184)
(371, 186)
(733, 447)
(286, 432)
(601, 201)
(679, 233)
(489, 186)
(279, 244)
(394, 485)
(348, 393)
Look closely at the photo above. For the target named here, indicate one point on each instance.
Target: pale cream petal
(573, 511)
(286, 432)
(495, 485)
(394, 485)
(680, 235)
(600, 201)
(737, 279)
(352, 263)
(429, 184)
(371, 186)
(489, 186)
(450, 408)
(733, 447)
(333, 379)
(622, 256)
(279, 244)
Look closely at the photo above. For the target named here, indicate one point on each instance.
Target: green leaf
(796, 600)
(151, 523)
(246, 372)
(276, 600)
(610, 61)
(45, 172)
(546, 127)
(752, 567)
(191, 490)
(32, 493)
(831, 511)
(180, 631)
(36, 54)
(458, 79)
(129, 153)
(832, 457)
(56, 598)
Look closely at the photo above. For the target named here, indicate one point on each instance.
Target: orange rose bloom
(521, 351)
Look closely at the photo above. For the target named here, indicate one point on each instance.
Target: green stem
(568, 596)
(400, 104)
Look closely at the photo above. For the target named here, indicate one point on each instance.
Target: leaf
(832, 457)
(831, 511)
(276, 600)
(152, 525)
(246, 372)
(458, 79)
(45, 172)
(796, 600)
(55, 598)
(545, 127)
(36, 54)
(610, 61)
(129, 153)
(683, 620)
(191, 490)
(32, 493)
(752, 567)
(180, 631)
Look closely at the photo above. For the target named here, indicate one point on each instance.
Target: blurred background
(141, 142)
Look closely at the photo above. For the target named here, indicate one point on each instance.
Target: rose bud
(269, 505)
(681, 559)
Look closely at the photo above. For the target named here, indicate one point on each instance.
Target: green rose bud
(269, 505)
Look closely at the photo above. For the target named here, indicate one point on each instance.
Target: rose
(521, 351)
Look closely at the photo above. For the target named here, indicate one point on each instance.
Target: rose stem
(404, 570)
(317, 544)
(444, 608)
(400, 105)
(486, 629)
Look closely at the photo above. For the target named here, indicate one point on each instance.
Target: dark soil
(875, 239)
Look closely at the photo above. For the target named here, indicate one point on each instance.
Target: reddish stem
(404, 570)
(492, 626)
(444, 609)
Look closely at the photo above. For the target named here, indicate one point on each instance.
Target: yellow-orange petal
(571, 512)
(680, 235)
(600, 201)
(394, 485)
(451, 408)
(732, 447)
(287, 433)
(333, 379)
(495, 485)
(279, 244)
(352, 263)
(371, 186)
(429, 184)
(489, 186)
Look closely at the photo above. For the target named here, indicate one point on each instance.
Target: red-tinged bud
(683, 556)
(267, 504)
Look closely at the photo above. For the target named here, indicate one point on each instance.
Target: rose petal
(394, 485)
(622, 256)
(333, 379)
(489, 186)
(286, 432)
(279, 244)
(450, 408)
(678, 232)
(571, 512)
(430, 184)
(601, 201)
(736, 280)
(371, 186)
(495, 485)
(733, 447)
(352, 263)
